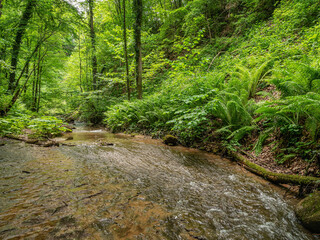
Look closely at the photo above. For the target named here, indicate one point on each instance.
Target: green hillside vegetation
(216, 74)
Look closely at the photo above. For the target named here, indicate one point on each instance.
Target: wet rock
(49, 144)
(308, 211)
(32, 141)
(103, 143)
(67, 220)
(69, 138)
(106, 144)
(170, 140)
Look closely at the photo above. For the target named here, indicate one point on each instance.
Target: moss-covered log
(40, 142)
(275, 177)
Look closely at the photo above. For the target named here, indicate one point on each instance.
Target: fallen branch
(46, 143)
(41, 143)
(91, 196)
(275, 177)
(60, 208)
(214, 59)
(67, 144)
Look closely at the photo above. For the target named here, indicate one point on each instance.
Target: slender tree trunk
(27, 64)
(34, 86)
(19, 90)
(17, 43)
(37, 73)
(37, 100)
(93, 42)
(137, 8)
(39, 90)
(1, 8)
(27, 74)
(86, 71)
(125, 48)
(80, 64)
(118, 9)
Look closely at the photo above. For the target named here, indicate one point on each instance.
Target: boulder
(170, 140)
(308, 211)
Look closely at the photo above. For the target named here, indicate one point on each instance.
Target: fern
(262, 138)
(241, 132)
(298, 79)
(253, 77)
(293, 110)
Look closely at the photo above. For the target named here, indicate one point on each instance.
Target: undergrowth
(266, 85)
(34, 127)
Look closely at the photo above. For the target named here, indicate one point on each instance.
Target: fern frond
(241, 132)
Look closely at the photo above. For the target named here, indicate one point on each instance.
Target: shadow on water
(134, 189)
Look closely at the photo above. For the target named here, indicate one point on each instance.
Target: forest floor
(266, 159)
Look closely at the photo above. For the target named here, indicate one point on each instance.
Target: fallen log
(42, 143)
(274, 177)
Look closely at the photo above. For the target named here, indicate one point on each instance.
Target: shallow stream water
(134, 189)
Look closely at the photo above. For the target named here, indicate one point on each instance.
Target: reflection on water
(134, 190)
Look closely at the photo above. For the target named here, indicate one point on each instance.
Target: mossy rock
(170, 140)
(308, 211)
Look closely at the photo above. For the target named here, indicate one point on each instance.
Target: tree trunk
(27, 74)
(80, 64)
(21, 89)
(37, 73)
(1, 8)
(275, 177)
(87, 86)
(17, 43)
(137, 8)
(34, 86)
(125, 48)
(93, 42)
(37, 103)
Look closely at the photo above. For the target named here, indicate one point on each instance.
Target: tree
(27, 14)
(125, 48)
(137, 10)
(1, 8)
(93, 43)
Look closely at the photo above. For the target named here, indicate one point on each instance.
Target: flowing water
(134, 189)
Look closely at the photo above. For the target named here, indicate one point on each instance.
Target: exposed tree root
(275, 177)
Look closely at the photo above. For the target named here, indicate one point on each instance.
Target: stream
(135, 189)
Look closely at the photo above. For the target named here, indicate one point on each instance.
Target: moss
(308, 211)
(170, 140)
(275, 177)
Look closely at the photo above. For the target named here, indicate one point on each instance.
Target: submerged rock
(103, 143)
(170, 140)
(106, 144)
(308, 211)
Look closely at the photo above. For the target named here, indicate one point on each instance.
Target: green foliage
(293, 111)
(252, 78)
(45, 126)
(298, 79)
(230, 109)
